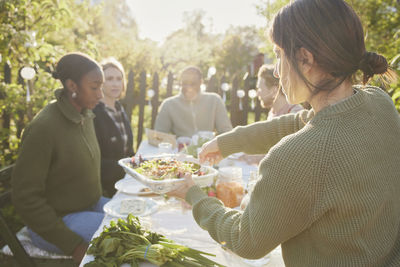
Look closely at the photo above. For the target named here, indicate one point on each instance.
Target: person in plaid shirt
(113, 129)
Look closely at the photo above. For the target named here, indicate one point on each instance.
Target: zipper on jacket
(85, 140)
(193, 117)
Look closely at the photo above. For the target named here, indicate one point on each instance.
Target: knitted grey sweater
(328, 191)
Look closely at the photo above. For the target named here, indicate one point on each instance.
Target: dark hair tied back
(372, 63)
(74, 66)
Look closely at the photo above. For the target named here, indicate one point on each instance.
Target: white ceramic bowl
(167, 185)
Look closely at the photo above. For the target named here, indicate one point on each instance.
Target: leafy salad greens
(165, 168)
(125, 241)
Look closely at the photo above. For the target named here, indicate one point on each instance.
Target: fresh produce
(125, 241)
(165, 168)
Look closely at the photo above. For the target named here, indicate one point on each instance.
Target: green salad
(166, 168)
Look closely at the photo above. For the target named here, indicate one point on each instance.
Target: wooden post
(170, 84)
(142, 103)
(154, 101)
(245, 99)
(21, 113)
(234, 103)
(212, 85)
(6, 117)
(257, 110)
(129, 100)
(223, 80)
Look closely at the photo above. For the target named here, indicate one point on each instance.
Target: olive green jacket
(57, 171)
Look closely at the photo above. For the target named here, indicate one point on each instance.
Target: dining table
(173, 218)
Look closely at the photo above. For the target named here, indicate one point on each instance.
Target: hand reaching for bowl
(210, 153)
(181, 191)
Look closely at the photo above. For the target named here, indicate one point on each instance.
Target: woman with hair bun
(56, 185)
(112, 125)
(328, 188)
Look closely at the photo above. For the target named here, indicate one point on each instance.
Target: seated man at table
(192, 110)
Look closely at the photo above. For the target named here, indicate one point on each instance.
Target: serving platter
(132, 187)
(114, 207)
(167, 185)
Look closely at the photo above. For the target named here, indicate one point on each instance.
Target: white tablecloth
(176, 222)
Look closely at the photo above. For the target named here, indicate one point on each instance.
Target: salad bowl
(157, 172)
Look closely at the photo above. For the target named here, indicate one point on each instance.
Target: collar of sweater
(118, 105)
(69, 111)
(197, 99)
(352, 102)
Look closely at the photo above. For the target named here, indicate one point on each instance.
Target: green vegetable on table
(125, 241)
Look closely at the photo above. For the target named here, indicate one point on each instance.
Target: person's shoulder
(209, 96)
(374, 93)
(43, 121)
(99, 108)
(49, 113)
(172, 99)
(301, 151)
(372, 90)
(295, 154)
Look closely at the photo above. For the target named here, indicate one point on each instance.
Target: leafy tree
(25, 29)
(36, 33)
(116, 34)
(237, 49)
(190, 45)
(381, 20)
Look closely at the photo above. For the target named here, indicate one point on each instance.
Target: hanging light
(150, 95)
(240, 94)
(252, 95)
(211, 71)
(28, 73)
(224, 88)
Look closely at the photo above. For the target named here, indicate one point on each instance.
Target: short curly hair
(267, 73)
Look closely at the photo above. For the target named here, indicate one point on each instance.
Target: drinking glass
(165, 148)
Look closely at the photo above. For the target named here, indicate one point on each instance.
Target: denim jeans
(84, 223)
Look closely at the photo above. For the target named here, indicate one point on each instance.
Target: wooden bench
(20, 255)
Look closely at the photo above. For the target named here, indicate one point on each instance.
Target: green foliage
(190, 45)
(381, 21)
(242, 42)
(36, 33)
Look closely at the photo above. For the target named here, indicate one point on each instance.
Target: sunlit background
(157, 19)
